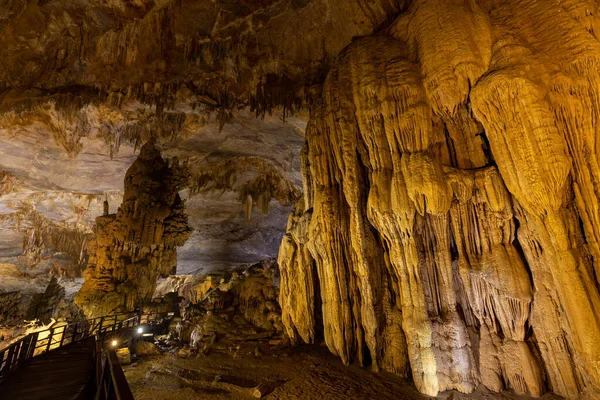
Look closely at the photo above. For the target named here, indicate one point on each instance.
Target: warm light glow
(140, 330)
(114, 343)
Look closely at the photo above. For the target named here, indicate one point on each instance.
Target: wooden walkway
(61, 374)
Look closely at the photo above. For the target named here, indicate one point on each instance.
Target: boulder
(124, 356)
(142, 349)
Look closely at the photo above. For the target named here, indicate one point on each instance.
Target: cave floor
(304, 372)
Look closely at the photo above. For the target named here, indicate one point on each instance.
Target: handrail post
(101, 365)
(119, 382)
(17, 355)
(1, 359)
(75, 329)
(50, 339)
(9, 359)
(24, 349)
(33, 344)
(18, 347)
(62, 337)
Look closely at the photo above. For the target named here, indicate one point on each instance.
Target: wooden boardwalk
(61, 374)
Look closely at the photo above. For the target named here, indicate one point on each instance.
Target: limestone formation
(86, 68)
(9, 304)
(138, 244)
(53, 305)
(266, 181)
(238, 307)
(44, 234)
(449, 224)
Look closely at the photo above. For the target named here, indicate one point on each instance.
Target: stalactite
(248, 207)
(44, 233)
(263, 201)
(232, 175)
(122, 52)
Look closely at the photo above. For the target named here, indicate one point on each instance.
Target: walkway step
(59, 375)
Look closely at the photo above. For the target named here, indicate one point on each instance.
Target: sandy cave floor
(304, 372)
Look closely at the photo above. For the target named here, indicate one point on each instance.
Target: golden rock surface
(450, 222)
(138, 244)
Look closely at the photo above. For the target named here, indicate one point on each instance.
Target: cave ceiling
(85, 83)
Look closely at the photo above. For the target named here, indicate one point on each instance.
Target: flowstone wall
(449, 225)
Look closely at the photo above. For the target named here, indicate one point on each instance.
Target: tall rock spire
(137, 245)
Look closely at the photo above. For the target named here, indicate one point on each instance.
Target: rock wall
(449, 225)
(239, 306)
(53, 304)
(9, 304)
(137, 245)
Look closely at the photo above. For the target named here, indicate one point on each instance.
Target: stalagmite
(137, 245)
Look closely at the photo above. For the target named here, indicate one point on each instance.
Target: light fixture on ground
(140, 330)
(114, 343)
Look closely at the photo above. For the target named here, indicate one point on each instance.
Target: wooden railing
(110, 379)
(57, 336)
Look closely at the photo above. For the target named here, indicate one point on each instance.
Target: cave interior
(345, 199)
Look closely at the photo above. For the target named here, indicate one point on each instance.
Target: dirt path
(303, 373)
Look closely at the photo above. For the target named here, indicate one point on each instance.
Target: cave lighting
(140, 330)
(114, 343)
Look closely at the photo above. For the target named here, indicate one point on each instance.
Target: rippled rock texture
(138, 244)
(449, 225)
